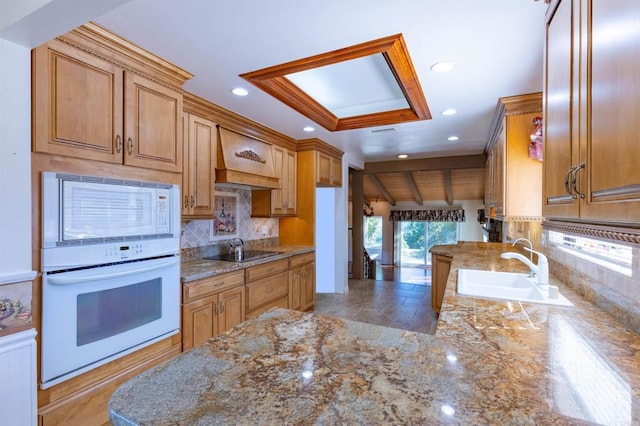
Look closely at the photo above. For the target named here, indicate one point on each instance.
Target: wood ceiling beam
(447, 186)
(414, 189)
(383, 190)
(425, 164)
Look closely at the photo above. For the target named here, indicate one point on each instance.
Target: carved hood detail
(243, 160)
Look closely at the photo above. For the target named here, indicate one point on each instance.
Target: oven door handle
(97, 277)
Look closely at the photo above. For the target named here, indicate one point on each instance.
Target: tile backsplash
(196, 233)
(615, 293)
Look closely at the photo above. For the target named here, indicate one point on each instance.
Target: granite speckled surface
(490, 362)
(197, 269)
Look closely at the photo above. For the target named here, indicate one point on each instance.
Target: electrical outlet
(264, 230)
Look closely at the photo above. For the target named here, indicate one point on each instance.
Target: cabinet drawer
(301, 259)
(280, 303)
(200, 288)
(267, 290)
(266, 269)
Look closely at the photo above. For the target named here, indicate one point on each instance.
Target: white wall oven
(110, 270)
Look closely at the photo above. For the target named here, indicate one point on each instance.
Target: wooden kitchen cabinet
(278, 202)
(329, 170)
(440, 267)
(200, 147)
(591, 171)
(212, 306)
(514, 180)
(92, 101)
(267, 286)
(302, 283)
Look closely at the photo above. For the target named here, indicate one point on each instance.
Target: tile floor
(386, 303)
(407, 275)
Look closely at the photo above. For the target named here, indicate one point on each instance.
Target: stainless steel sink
(506, 286)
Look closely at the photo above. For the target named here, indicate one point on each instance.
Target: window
(613, 256)
(417, 238)
(373, 236)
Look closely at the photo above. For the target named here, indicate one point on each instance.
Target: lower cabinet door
(199, 321)
(439, 276)
(308, 286)
(295, 282)
(232, 308)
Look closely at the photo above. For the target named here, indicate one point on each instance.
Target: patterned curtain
(440, 215)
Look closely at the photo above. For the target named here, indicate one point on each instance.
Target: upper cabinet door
(200, 150)
(560, 139)
(278, 195)
(153, 124)
(77, 104)
(611, 179)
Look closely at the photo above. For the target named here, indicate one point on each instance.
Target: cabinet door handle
(193, 202)
(186, 201)
(222, 306)
(567, 188)
(118, 144)
(574, 179)
(216, 308)
(130, 142)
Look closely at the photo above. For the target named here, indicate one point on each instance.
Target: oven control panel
(58, 258)
(124, 251)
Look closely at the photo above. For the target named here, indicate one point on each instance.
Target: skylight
(357, 87)
(365, 85)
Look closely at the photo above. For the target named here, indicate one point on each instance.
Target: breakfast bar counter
(490, 362)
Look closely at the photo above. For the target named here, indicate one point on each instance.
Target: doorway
(412, 242)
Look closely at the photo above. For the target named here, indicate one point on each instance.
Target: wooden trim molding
(274, 82)
(512, 105)
(315, 144)
(100, 42)
(521, 218)
(232, 121)
(626, 235)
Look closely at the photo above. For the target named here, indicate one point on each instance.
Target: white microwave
(79, 210)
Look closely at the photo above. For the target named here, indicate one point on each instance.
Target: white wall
(15, 163)
(326, 240)
(332, 236)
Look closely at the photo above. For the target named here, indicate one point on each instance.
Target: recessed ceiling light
(308, 129)
(449, 111)
(402, 155)
(442, 66)
(453, 138)
(239, 91)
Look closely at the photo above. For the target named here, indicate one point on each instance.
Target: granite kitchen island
(490, 362)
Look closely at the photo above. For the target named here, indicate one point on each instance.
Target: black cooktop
(247, 256)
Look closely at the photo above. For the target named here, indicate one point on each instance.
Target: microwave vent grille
(92, 241)
(111, 181)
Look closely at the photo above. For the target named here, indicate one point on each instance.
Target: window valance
(438, 215)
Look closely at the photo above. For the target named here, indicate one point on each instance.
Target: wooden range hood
(245, 161)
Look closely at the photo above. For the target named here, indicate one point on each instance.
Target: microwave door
(92, 210)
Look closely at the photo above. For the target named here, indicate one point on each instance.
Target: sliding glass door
(415, 239)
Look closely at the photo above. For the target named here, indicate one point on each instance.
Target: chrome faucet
(540, 271)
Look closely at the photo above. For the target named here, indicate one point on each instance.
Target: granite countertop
(490, 362)
(197, 269)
